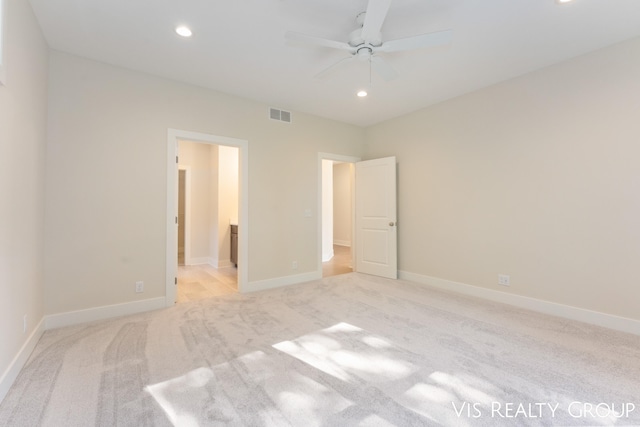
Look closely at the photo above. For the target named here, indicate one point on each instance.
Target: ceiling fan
(366, 41)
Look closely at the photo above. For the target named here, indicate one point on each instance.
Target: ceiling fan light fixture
(366, 41)
(183, 30)
(362, 93)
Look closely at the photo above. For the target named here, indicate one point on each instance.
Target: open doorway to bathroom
(208, 205)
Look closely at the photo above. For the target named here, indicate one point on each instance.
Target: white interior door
(376, 230)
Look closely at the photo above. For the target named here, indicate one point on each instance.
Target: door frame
(173, 135)
(339, 158)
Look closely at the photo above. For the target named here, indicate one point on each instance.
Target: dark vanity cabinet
(234, 245)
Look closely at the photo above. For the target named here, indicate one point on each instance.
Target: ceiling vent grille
(280, 115)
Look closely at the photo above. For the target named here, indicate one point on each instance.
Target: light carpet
(343, 351)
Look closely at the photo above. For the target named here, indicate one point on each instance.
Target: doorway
(207, 210)
(337, 236)
(374, 214)
(207, 245)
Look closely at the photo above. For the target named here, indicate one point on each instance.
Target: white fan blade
(381, 67)
(417, 42)
(332, 69)
(316, 41)
(373, 20)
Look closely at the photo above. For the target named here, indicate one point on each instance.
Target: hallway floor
(196, 282)
(339, 264)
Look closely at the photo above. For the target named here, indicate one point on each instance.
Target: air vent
(280, 115)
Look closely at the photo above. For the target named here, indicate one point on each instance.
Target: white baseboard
(346, 243)
(11, 373)
(261, 285)
(221, 263)
(566, 311)
(53, 321)
(199, 261)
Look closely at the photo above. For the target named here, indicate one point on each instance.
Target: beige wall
(342, 200)
(182, 188)
(227, 200)
(107, 140)
(327, 210)
(23, 119)
(202, 169)
(214, 236)
(536, 178)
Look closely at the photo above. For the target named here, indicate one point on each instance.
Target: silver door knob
(391, 224)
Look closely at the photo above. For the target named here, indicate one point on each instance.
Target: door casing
(337, 158)
(173, 135)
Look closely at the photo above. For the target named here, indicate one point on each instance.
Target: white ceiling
(238, 46)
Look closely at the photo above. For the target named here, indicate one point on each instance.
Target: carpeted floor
(347, 350)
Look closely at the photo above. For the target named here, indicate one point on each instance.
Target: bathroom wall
(227, 200)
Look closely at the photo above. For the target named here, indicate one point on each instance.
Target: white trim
(223, 263)
(610, 321)
(18, 362)
(215, 263)
(201, 261)
(261, 285)
(342, 243)
(219, 263)
(337, 158)
(171, 246)
(172, 205)
(69, 318)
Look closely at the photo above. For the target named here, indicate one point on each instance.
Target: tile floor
(196, 282)
(339, 264)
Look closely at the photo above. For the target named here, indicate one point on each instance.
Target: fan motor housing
(355, 39)
(364, 51)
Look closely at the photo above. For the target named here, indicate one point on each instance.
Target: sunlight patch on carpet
(463, 388)
(174, 395)
(345, 351)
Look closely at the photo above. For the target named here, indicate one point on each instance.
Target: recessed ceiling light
(362, 93)
(183, 31)
(563, 1)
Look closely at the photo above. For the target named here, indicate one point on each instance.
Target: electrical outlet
(503, 280)
(139, 286)
(24, 324)
(294, 265)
